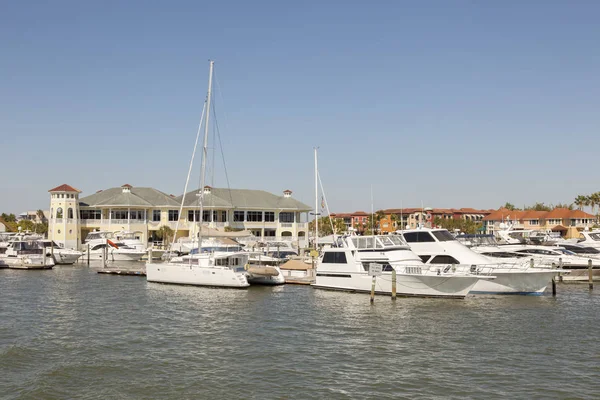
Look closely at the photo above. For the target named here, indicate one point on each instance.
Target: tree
(464, 225)
(325, 228)
(564, 205)
(539, 207)
(509, 206)
(594, 201)
(26, 225)
(40, 215)
(9, 217)
(165, 233)
(582, 201)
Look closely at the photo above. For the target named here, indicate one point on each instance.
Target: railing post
(373, 289)
(590, 274)
(394, 284)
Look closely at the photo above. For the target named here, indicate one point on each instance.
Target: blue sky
(445, 103)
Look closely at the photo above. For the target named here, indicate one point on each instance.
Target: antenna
(316, 201)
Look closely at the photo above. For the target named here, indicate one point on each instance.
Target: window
(269, 216)
(206, 215)
(223, 216)
(90, 214)
(156, 215)
(136, 214)
(254, 216)
(334, 257)
(59, 212)
(286, 217)
(444, 260)
(534, 222)
(238, 216)
(418, 237)
(425, 258)
(70, 213)
(443, 236)
(173, 215)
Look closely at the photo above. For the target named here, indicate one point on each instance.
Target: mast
(204, 155)
(316, 202)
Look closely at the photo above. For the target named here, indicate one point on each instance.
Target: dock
(126, 272)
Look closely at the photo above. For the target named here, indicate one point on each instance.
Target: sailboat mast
(316, 202)
(204, 155)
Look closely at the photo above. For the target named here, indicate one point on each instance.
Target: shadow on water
(72, 333)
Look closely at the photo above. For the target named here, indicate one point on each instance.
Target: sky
(443, 103)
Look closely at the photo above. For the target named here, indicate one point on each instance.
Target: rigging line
(219, 135)
(326, 205)
(224, 164)
(187, 180)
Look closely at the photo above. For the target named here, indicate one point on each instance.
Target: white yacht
(345, 266)
(590, 238)
(438, 246)
(221, 270)
(62, 256)
(26, 253)
(114, 252)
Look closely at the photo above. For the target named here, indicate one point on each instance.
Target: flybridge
(383, 242)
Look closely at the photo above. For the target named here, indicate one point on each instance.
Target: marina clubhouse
(145, 210)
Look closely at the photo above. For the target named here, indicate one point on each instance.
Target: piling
(51, 252)
(88, 254)
(531, 262)
(553, 287)
(590, 276)
(560, 266)
(393, 284)
(150, 255)
(373, 289)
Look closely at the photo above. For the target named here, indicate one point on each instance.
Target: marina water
(72, 333)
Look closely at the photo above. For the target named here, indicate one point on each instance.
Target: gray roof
(137, 197)
(244, 198)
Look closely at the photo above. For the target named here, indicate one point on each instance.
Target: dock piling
(373, 289)
(150, 255)
(393, 284)
(553, 287)
(88, 254)
(590, 274)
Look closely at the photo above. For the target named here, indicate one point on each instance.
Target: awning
(559, 228)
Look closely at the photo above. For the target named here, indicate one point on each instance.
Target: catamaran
(221, 269)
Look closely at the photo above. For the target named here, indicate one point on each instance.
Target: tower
(63, 226)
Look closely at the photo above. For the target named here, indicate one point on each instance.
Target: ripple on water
(71, 333)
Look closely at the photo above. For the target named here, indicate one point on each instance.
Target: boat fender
(246, 266)
(473, 269)
(439, 272)
(447, 268)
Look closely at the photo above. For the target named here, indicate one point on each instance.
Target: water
(72, 333)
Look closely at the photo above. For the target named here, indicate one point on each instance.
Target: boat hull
(66, 258)
(256, 278)
(118, 256)
(515, 282)
(185, 274)
(29, 262)
(408, 285)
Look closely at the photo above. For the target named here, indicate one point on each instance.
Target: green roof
(217, 198)
(136, 197)
(244, 198)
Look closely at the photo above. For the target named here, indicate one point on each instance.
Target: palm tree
(581, 201)
(594, 200)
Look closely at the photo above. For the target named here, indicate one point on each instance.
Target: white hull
(185, 274)
(255, 279)
(29, 262)
(406, 285)
(515, 282)
(61, 258)
(116, 255)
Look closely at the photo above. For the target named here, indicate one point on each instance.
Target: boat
(114, 252)
(345, 266)
(204, 269)
(590, 238)
(125, 240)
(538, 255)
(439, 247)
(60, 255)
(27, 253)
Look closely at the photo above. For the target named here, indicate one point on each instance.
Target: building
(34, 216)
(557, 220)
(411, 218)
(356, 220)
(145, 210)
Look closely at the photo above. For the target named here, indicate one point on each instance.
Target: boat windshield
(98, 235)
(212, 249)
(595, 236)
(378, 242)
(443, 236)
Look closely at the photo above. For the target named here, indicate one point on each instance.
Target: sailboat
(219, 269)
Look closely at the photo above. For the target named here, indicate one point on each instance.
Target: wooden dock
(126, 272)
